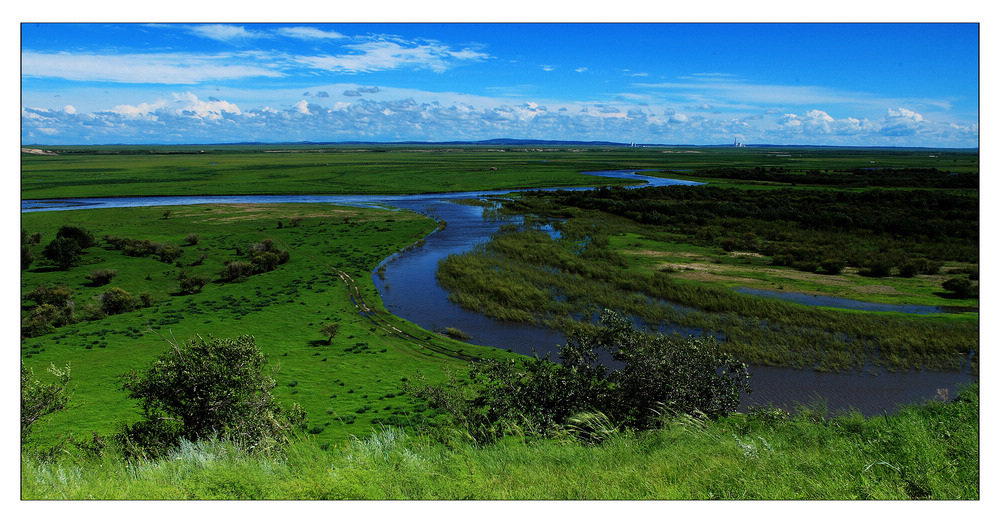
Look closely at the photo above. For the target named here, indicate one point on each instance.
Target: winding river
(409, 289)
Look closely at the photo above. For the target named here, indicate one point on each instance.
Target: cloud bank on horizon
(810, 84)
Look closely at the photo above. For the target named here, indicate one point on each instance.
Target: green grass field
(346, 387)
(354, 389)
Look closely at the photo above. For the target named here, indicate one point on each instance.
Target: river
(409, 289)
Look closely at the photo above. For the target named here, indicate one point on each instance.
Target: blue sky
(880, 84)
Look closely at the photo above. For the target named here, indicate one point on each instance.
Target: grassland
(201, 170)
(354, 389)
(346, 387)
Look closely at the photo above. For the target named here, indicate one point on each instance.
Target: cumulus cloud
(188, 118)
(184, 104)
(901, 122)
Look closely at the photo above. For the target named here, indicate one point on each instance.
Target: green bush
(101, 277)
(82, 236)
(117, 301)
(205, 388)
(63, 252)
(660, 375)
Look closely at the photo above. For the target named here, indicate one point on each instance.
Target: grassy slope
(926, 452)
(283, 309)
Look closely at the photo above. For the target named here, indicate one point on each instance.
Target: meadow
(367, 436)
(347, 387)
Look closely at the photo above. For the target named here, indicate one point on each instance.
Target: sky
(856, 84)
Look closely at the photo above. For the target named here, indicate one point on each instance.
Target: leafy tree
(40, 399)
(82, 236)
(64, 252)
(962, 287)
(329, 330)
(204, 388)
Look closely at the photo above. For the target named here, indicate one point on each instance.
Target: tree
(962, 287)
(82, 236)
(26, 257)
(64, 252)
(213, 387)
(40, 399)
(192, 284)
(329, 330)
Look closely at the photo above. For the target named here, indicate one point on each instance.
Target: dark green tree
(961, 287)
(205, 388)
(82, 236)
(64, 252)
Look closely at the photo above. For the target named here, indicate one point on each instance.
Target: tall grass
(929, 451)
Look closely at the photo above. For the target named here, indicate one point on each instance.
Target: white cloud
(69, 109)
(162, 68)
(308, 33)
(401, 114)
(184, 104)
(386, 55)
(223, 33)
(581, 69)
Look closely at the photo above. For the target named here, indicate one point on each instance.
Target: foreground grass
(924, 452)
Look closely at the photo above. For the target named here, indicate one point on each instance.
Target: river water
(409, 289)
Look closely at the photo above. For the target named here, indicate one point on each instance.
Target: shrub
(237, 271)
(192, 284)
(64, 252)
(41, 320)
(117, 301)
(57, 296)
(82, 236)
(38, 399)
(101, 277)
(660, 375)
(191, 239)
(26, 257)
(961, 287)
(168, 252)
(832, 266)
(205, 388)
